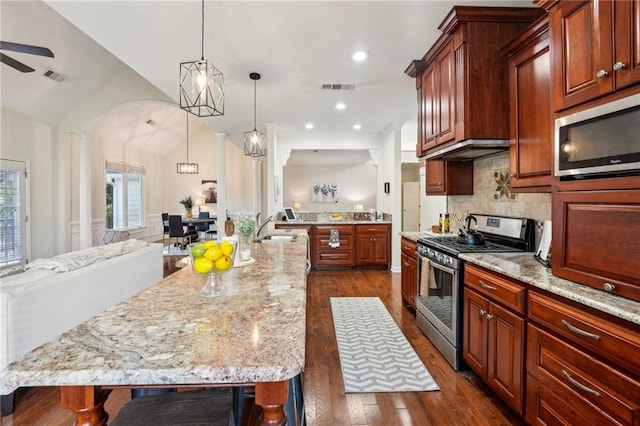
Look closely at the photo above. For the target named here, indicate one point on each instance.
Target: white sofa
(41, 303)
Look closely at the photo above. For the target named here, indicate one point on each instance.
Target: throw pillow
(110, 236)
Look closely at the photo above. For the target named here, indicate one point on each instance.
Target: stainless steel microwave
(600, 141)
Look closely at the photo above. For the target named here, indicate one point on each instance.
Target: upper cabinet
(530, 130)
(595, 48)
(462, 81)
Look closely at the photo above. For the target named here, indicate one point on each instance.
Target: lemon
(223, 263)
(198, 251)
(210, 244)
(202, 265)
(226, 247)
(213, 253)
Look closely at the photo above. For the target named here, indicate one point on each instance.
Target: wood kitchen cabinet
(582, 366)
(530, 129)
(463, 90)
(595, 48)
(494, 332)
(595, 238)
(373, 245)
(449, 178)
(327, 256)
(408, 272)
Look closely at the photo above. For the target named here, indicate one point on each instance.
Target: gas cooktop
(452, 246)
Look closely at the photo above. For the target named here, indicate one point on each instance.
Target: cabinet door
(505, 365)
(408, 280)
(627, 43)
(530, 144)
(475, 332)
(380, 254)
(445, 66)
(364, 249)
(582, 49)
(429, 106)
(434, 177)
(412, 271)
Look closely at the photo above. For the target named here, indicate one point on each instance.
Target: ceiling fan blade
(26, 48)
(15, 64)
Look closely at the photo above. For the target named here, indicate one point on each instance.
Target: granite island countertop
(334, 222)
(168, 335)
(523, 267)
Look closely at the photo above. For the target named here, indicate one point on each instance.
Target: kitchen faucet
(262, 225)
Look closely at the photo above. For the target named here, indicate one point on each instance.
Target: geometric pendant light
(201, 85)
(187, 168)
(255, 142)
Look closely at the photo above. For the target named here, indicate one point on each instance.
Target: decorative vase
(245, 247)
(188, 214)
(229, 227)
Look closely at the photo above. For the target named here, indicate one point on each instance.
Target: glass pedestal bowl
(212, 259)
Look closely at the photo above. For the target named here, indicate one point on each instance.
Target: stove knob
(439, 257)
(447, 260)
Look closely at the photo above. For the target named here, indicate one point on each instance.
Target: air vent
(150, 122)
(338, 86)
(49, 73)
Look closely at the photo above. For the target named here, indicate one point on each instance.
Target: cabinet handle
(608, 287)
(601, 73)
(487, 286)
(618, 65)
(580, 332)
(372, 229)
(579, 385)
(483, 313)
(405, 264)
(488, 316)
(406, 248)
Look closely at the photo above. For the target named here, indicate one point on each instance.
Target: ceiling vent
(150, 122)
(49, 73)
(338, 86)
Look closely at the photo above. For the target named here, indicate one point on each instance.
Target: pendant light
(255, 142)
(187, 168)
(201, 85)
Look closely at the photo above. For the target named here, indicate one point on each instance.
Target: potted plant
(187, 202)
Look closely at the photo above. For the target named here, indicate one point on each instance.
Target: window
(124, 195)
(13, 213)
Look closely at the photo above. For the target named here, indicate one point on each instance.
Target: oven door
(438, 297)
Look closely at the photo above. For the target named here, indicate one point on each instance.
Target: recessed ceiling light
(340, 106)
(308, 126)
(360, 56)
(357, 126)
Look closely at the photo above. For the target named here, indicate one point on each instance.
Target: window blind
(13, 213)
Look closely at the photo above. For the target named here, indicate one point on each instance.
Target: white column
(84, 191)
(255, 187)
(221, 165)
(274, 175)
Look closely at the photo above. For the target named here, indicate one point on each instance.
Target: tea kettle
(469, 236)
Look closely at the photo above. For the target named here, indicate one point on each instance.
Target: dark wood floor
(462, 400)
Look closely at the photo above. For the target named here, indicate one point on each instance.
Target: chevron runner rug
(374, 354)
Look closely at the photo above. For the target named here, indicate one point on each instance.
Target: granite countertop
(525, 268)
(169, 335)
(413, 236)
(334, 222)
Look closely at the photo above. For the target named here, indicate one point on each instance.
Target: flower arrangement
(187, 202)
(246, 225)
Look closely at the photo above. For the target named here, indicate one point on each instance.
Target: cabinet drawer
(408, 247)
(334, 257)
(326, 229)
(372, 229)
(497, 287)
(322, 242)
(612, 341)
(571, 372)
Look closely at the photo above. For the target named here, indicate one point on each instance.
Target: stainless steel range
(441, 271)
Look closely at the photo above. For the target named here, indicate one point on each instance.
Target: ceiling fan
(22, 48)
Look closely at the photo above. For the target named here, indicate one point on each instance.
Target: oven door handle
(437, 265)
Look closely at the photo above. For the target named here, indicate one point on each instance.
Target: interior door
(411, 207)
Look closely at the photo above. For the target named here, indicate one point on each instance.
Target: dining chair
(205, 229)
(176, 230)
(165, 226)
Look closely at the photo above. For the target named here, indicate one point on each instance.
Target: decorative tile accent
(503, 185)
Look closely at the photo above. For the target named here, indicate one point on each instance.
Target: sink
(279, 237)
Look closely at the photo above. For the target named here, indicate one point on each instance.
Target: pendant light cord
(254, 105)
(202, 51)
(187, 137)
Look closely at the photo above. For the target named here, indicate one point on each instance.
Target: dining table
(167, 335)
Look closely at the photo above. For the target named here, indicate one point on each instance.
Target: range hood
(469, 149)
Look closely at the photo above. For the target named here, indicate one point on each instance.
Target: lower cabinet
(373, 244)
(408, 272)
(493, 335)
(327, 256)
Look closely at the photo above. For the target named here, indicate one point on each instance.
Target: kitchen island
(168, 336)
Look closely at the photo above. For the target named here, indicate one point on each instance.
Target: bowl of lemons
(212, 259)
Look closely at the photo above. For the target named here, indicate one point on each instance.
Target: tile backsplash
(492, 195)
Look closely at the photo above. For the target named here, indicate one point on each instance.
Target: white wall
(356, 184)
(27, 139)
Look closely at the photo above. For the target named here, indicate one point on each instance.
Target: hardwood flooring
(462, 400)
